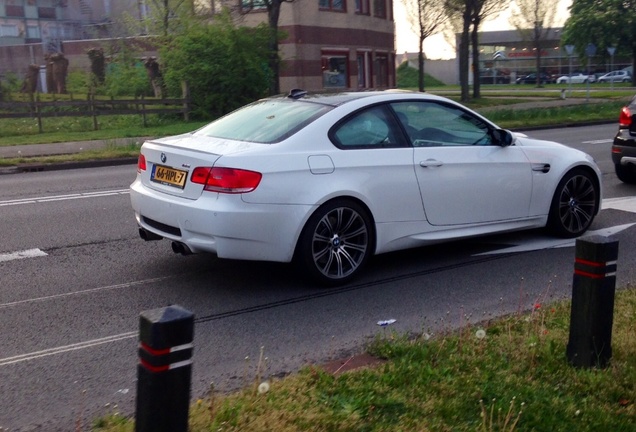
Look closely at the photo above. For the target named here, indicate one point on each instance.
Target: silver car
(616, 76)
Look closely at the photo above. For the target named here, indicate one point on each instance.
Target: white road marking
(66, 348)
(623, 203)
(552, 243)
(601, 141)
(64, 197)
(29, 253)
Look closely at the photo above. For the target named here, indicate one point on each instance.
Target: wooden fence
(95, 107)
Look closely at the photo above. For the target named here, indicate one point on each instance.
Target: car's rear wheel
(626, 173)
(336, 242)
(574, 204)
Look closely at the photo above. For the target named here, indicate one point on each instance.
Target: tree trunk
(475, 68)
(420, 65)
(537, 47)
(274, 59)
(464, 46)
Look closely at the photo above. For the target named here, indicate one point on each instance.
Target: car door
(463, 175)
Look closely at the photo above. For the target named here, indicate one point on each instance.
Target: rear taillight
(141, 163)
(625, 119)
(226, 180)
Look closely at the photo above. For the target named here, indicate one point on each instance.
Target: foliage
(408, 77)
(125, 73)
(605, 23)
(225, 66)
(77, 82)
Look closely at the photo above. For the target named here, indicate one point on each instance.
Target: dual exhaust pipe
(177, 247)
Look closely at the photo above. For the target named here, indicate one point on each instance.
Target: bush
(225, 66)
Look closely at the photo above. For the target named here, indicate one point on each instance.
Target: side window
(373, 127)
(434, 124)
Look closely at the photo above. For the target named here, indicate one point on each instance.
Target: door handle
(431, 163)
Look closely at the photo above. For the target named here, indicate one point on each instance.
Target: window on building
(362, 7)
(46, 12)
(379, 8)
(250, 5)
(335, 70)
(333, 5)
(364, 73)
(14, 10)
(33, 32)
(382, 70)
(9, 30)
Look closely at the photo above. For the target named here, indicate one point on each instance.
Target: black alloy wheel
(336, 242)
(574, 204)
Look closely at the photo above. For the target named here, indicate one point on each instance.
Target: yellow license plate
(168, 176)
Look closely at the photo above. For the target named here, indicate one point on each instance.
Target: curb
(23, 168)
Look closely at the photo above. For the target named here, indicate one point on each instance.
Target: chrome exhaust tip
(148, 236)
(180, 248)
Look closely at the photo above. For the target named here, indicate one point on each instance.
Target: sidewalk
(32, 150)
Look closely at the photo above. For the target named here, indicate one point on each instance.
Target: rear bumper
(221, 224)
(624, 148)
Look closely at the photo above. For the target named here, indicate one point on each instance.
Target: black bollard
(164, 372)
(593, 290)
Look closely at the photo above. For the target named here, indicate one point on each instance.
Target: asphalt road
(74, 277)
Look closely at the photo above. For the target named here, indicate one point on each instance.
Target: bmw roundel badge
(163, 158)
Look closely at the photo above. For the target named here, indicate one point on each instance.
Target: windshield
(266, 121)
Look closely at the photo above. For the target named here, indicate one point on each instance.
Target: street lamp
(611, 51)
(570, 50)
(590, 51)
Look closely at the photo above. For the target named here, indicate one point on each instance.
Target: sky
(436, 47)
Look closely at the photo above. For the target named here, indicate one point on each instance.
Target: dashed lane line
(29, 253)
(66, 197)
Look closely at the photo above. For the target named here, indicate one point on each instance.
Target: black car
(493, 76)
(532, 79)
(624, 147)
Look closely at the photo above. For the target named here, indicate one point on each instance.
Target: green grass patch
(506, 374)
(67, 129)
(511, 118)
(110, 152)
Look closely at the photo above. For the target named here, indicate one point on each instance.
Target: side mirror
(502, 137)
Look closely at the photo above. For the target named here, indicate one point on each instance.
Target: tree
(534, 20)
(164, 13)
(482, 10)
(460, 16)
(468, 15)
(273, 15)
(605, 23)
(225, 66)
(426, 17)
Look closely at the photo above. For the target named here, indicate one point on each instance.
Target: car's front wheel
(626, 173)
(336, 242)
(574, 204)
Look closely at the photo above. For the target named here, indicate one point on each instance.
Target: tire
(336, 242)
(626, 173)
(574, 204)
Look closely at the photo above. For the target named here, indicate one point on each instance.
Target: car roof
(337, 99)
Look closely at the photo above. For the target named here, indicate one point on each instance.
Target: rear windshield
(266, 121)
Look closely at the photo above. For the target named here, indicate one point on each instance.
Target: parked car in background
(494, 76)
(616, 76)
(532, 79)
(576, 78)
(624, 146)
(327, 181)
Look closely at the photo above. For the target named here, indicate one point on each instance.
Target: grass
(504, 374)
